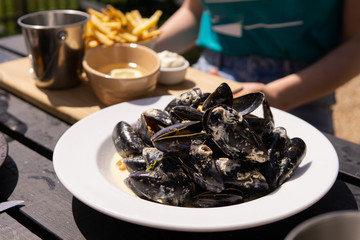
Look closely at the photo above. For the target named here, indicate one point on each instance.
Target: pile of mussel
(207, 150)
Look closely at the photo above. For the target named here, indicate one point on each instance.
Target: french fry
(129, 37)
(147, 24)
(106, 12)
(100, 25)
(103, 38)
(131, 20)
(114, 26)
(92, 44)
(151, 34)
(89, 31)
(120, 39)
(118, 14)
(100, 15)
(137, 16)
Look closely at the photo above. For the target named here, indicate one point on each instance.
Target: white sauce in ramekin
(170, 59)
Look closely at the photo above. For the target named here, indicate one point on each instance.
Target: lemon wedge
(125, 73)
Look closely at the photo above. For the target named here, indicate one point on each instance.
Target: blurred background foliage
(11, 10)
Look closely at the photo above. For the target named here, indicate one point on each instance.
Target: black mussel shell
(186, 113)
(136, 163)
(247, 103)
(190, 98)
(221, 95)
(178, 137)
(225, 198)
(150, 122)
(158, 186)
(126, 140)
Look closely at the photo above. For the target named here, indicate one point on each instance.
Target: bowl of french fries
(121, 72)
(110, 26)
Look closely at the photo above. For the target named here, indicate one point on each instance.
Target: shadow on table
(7, 120)
(78, 96)
(95, 225)
(9, 176)
(183, 86)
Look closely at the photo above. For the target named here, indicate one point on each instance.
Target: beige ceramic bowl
(112, 90)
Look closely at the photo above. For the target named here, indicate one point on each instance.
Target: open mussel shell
(178, 137)
(150, 122)
(248, 103)
(221, 95)
(186, 113)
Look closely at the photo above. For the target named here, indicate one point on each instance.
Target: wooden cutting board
(76, 103)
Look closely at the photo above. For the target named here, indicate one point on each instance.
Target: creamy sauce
(119, 176)
(226, 165)
(171, 59)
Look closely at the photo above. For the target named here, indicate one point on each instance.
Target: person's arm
(322, 77)
(180, 31)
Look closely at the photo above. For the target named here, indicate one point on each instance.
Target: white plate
(83, 154)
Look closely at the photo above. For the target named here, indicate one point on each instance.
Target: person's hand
(249, 87)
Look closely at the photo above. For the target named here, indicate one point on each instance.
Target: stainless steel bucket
(340, 225)
(55, 41)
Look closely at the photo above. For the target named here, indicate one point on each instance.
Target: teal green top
(301, 30)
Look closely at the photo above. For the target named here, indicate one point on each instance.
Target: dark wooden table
(51, 212)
